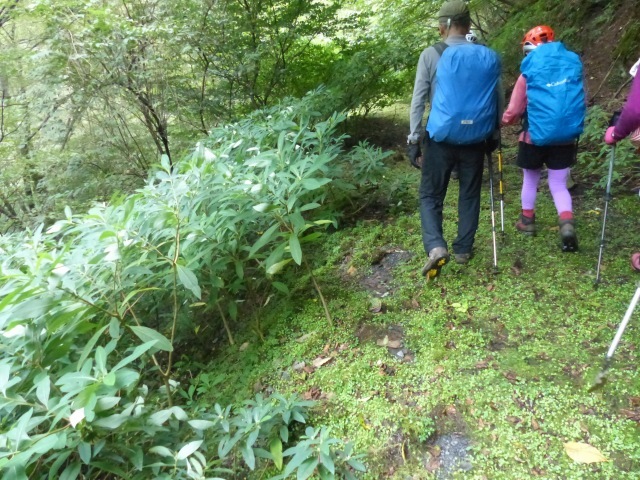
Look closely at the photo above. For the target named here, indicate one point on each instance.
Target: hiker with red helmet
(461, 80)
(628, 125)
(551, 103)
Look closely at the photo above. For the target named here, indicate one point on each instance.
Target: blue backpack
(464, 109)
(555, 94)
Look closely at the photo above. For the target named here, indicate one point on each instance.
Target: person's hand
(609, 139)
(415, 155)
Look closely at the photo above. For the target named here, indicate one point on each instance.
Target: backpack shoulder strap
(440, 47)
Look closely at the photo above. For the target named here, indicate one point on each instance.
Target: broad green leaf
(280, 286)
(248, 456)
(137, 352)
(273, 269)
(275, 446)
(114, 328)
(84, 450)
(43, 388)
(188, 449)
(263, 240)
(109, 379)
(148, 334)
(314, 183)
(5, 373)
(296, 251)
(309, 206)
(162, 451)
(46, 443)
(101, 359)
(71, 472)
(261, 207)
(201, 424)
(189, 281)
(106, 403)
(357, 465)
(306, 469)
(88, 348)
(113, 421)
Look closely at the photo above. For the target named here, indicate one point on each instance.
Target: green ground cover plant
(504, 360)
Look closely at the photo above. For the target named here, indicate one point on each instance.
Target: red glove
(609, 139)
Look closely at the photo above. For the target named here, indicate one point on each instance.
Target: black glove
(413, 152)
(614, 118)
(492, 143)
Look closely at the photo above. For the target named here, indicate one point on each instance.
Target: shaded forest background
(94, 92)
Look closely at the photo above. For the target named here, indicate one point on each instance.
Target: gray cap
(454, 9)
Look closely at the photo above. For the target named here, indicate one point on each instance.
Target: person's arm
(630, 117)
(421, 91)
(517, 104)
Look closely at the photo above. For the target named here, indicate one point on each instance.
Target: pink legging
(557, 186)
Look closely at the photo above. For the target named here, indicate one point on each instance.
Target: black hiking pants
(440, 159)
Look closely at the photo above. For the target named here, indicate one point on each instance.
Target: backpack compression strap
(440, 47)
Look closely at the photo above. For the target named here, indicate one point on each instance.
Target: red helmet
(536, 36)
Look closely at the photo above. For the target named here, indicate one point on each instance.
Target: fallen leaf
(299, 366)
(534, 424)
(244, 346)
(631, 414)
(450, 411)
(510, 376)
(318, 362)
(439, 369)
(433, 465)
(414, 303)
(513, 420)
(326, 348)
(491, 287)
(482, 365)
(352, 271)
(382, 342)
(584, 453)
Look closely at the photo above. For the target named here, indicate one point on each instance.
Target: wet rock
(454, 455)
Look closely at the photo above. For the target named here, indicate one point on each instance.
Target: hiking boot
(568, 236)
(462, 258)
(526, 225)
(635, 261)
(438, 257)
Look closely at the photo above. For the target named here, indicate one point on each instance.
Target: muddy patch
(389, 337)
(380, 281)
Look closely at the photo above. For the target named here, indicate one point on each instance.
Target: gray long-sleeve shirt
(423, 87)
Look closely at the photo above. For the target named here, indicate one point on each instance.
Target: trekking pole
(493, 214)
(500, 182)
(601, 377)
(607, 197)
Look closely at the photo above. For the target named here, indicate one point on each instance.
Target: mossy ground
(505, 359)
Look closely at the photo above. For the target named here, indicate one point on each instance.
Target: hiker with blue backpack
(460, 79)
(549, 97)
